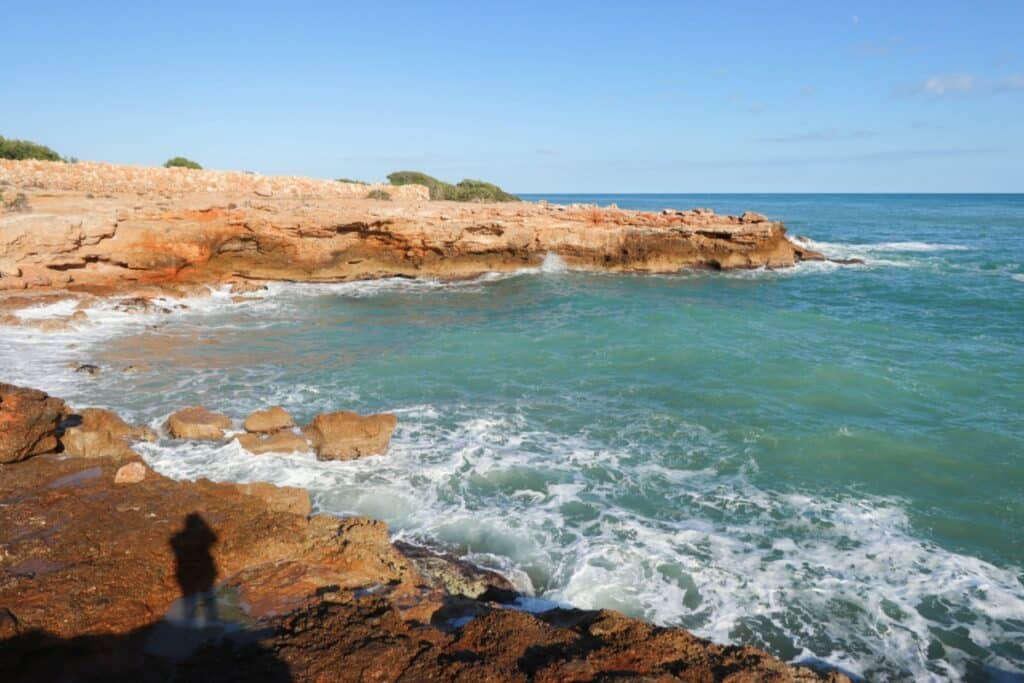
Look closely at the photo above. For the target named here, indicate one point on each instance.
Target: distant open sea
(827, 461)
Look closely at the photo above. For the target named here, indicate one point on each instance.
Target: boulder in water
(268, 421)
(346, 435)
(196, 422)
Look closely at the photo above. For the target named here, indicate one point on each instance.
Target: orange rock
(266, 421)
(196, 422)
(29, 420)
(99, 432)
(346, 435)
(132, 473)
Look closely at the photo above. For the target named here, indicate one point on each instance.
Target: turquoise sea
(827, 461)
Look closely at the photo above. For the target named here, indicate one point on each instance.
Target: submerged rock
(196, 422)
(278, 442)
(29, 422)
(266, 421)
(346, 435)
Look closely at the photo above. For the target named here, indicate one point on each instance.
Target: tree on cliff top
(464, 191)
(182, 162)
(23, 149)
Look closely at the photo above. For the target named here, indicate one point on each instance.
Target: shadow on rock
(191, 642)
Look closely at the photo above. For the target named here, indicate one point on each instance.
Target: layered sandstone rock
(29, 422)
(345, 435)
(106, 228)
(196, 422)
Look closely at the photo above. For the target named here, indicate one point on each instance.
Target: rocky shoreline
(109, 570)
(104, 229)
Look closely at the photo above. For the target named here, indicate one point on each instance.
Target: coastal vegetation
(182, 162)
(25, 149)
(379, 194)
(354, 182)
(466, 190)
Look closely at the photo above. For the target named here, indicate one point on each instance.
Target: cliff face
(101, 228)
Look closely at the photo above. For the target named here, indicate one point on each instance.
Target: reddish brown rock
(196, 422)
(29, 421)
(280, 498)
(151, 227)
(266, 421)
(99, 432)
(346, 435)
(278, 442)
(90, 568)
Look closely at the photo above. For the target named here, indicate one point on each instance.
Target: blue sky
(539, 97)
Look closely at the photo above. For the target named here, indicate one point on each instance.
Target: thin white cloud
(1014, 82)
(960, 84)
(829, 135)
(949, 84)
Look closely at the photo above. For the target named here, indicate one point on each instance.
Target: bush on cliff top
(23, 149)
(182, 162)
(465, 191)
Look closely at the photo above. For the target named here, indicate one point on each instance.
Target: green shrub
(465, 191)
(379, 194)
(354, 182)
(23, 149)
(182, 162)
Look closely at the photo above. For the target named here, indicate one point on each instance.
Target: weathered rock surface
(345, 435)
(29, 422)
(278, 442)
(196, 422)
(270, 420)
(96, 227)
(95, 432)
(121, 581)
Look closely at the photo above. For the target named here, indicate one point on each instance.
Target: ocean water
(827, 461)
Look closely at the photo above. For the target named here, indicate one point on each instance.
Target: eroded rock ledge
(98, 227)
(109, 571)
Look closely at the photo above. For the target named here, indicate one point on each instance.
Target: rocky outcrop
(109, 571)
(105, 228)
(267, 421)
(94, 432)
(196, 422)
(30, 421)
(345, 435)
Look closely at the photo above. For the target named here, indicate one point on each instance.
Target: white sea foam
(845, 580)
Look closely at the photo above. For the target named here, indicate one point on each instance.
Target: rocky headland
(100, 228)
(110, 571)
